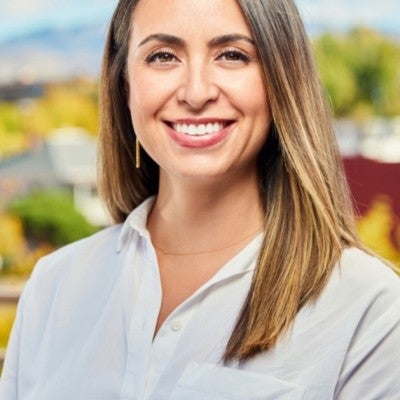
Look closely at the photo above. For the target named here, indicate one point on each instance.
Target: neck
(191, 218)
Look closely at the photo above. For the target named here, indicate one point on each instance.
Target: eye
(161, 57)
(234, 56)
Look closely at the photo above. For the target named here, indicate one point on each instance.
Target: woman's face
(196, 90)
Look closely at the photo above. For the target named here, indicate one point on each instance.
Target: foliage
(17, 258)
(12, 241)
(62, 105)
(379, 230)
(65, 106)
(12, 137)
(361, 72)
(50, 217)
(7, 316)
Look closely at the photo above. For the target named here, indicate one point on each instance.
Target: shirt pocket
(212, 382)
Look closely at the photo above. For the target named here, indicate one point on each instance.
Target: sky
(383, 15)
(18, 17)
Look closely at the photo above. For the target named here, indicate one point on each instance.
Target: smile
(199, 129)
(199, 133)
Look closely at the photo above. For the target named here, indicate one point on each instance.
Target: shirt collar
(244, 261)
(137, 221)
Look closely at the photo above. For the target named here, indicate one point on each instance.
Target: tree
(378, 227)
(361, 72)
(49, 216)
(12, 241)
(336, 73)
(62, 105)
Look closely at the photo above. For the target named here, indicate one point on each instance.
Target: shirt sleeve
(371, 369)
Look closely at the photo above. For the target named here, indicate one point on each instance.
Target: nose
(198, 87)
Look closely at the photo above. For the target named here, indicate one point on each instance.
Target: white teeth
(198, 130)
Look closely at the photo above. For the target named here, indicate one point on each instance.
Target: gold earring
(137, 153)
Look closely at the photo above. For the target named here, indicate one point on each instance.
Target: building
(67, 159)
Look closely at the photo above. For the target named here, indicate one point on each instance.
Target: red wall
(368, 179)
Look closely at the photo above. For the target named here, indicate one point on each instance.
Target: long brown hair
(121, 185)
(308, 213)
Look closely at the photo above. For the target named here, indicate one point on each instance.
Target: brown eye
(234, 55)
(161, 57)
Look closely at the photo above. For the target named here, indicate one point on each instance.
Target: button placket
(144, 316)
(164, 347)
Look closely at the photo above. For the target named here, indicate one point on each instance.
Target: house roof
(68, 156)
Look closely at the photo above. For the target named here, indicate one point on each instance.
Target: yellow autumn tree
(62, 104)
(12, 241)
(378, 227)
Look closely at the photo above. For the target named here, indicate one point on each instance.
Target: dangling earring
(137, 153)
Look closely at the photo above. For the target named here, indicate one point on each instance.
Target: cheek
(256, 101)
(142, 108)
(144, 103)
(248, 93)
(257, 104)
(147, 98)
(139, 99)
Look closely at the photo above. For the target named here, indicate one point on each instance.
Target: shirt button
(176, 325)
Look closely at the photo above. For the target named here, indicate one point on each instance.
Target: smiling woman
(233, 269)
(181, 83)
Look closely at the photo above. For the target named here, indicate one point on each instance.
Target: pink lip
(199, 142)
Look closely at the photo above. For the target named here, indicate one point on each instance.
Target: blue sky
(18, 17)
(23, 16)
(382, 15)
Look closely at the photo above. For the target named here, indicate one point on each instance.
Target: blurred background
(50, 55)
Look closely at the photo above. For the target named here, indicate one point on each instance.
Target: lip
(200, 141)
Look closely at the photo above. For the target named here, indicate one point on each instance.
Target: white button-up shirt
(85, 325)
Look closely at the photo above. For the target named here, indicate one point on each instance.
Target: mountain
(49, 54)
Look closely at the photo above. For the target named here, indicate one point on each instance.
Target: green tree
(50, 217)
(361, 72)
(336, 73)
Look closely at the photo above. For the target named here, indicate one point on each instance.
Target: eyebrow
(225, 39)
(163, 37)
(215, 42)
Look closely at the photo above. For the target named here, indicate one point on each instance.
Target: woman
(235, 271)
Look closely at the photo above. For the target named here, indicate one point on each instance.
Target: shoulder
(99, 244)
(87, 259)
(368, 295)
(363, 292)
(360, 272)
(90, 266)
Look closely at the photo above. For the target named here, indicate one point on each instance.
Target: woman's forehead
(188, 17)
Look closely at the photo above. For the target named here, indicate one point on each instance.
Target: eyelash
(152, 57)
(235, 54)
